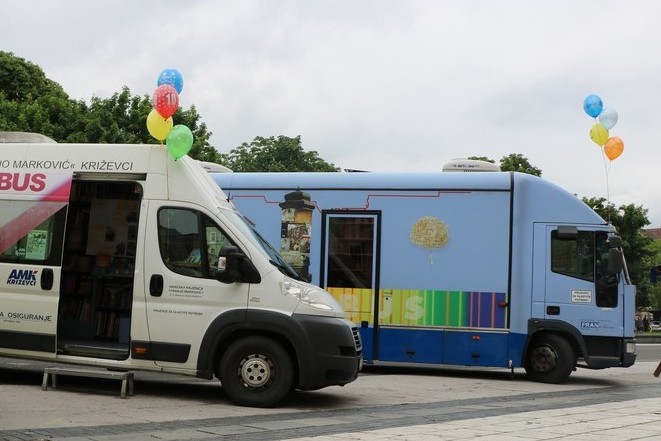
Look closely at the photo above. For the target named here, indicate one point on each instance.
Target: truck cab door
(571, 282)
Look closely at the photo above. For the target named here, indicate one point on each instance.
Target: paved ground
(384, 404)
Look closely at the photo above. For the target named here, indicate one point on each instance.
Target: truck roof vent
(27, 137)
(470, 165)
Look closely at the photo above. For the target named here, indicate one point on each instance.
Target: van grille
(357, 341)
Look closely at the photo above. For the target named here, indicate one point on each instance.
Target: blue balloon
(593, 105)
(171, 77)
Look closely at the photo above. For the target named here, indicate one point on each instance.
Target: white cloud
(380, 85)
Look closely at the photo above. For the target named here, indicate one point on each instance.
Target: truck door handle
(553, 310)
(47, 279)
(156, 285)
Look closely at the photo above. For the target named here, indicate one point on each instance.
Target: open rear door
(32, 217)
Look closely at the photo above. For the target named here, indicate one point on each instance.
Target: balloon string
(608, 197)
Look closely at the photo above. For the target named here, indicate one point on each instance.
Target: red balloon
(165, 100)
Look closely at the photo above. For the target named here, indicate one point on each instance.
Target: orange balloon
(613, 147)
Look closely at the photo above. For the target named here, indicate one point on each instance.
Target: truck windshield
(261, 244)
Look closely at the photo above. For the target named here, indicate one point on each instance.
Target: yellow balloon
(158, 126)
(598, 134)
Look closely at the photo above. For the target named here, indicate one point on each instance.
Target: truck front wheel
(550, 359)
(256, 371)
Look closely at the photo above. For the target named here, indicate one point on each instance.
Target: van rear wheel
(550, 359)
(256, 371)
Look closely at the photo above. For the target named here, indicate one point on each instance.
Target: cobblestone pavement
(613, 404)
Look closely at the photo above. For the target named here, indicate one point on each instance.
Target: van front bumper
(334, 355)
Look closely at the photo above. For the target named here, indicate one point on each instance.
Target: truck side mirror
(615, 261)
(234, 266)
(614, 242)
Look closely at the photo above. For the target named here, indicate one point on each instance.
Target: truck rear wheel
(550, 359)
(257, 372)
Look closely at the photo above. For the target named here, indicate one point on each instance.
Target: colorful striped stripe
(419, 308)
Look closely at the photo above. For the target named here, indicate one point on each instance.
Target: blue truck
(498, 269)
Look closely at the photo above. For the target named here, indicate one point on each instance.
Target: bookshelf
(96, 290)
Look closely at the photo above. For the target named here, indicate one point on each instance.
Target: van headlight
(310, 295)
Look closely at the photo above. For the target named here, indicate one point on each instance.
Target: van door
(183, 297)
(96, 289)
(575, 284)
(32, 218)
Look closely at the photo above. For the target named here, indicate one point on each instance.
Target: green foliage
(519, 163)
(481, 158)
(655, 300)
(638, 248)
(272, 154)
(23, 81)
(513, 162)
(30, 102)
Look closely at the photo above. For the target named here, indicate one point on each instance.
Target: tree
(513, 162)
(518, 162)
(629, 221)
(30, 102)
(272, 154)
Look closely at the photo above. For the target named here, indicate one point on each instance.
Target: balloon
(158, 126)
(598, 134)
(593, 105)
(172, 77)
(613, 147)
(608, 118)
(179, 141)
(165, 100)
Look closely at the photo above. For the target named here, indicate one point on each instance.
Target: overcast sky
(381, 85)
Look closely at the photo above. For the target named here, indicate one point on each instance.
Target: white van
(122, 257)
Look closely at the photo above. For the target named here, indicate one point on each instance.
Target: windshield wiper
(286, 270)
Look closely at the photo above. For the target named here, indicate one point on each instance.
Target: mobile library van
(121, 257)
(478, 269)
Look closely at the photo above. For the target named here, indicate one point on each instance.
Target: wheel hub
(544, 359)
(256, 371)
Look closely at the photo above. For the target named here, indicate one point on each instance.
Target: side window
(189, 242)
(23, 241)
(573, 257)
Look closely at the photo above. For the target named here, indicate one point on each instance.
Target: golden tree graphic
(430, 233)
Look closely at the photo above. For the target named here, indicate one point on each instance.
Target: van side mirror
(234, 266)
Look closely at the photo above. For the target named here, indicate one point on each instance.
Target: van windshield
(261, 244)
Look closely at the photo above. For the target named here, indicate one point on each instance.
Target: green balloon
(179, 141)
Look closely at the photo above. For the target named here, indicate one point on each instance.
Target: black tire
(256, 372)
(550, 359)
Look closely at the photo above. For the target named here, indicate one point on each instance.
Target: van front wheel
(256, 371)
(550, 359)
